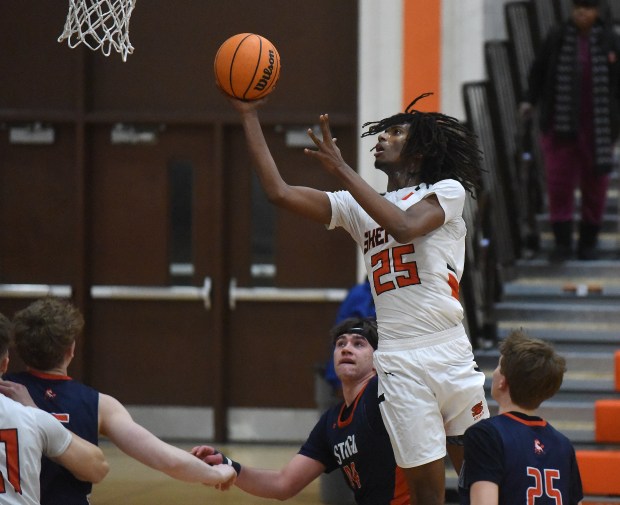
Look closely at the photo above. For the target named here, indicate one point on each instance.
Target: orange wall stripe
(422, 52)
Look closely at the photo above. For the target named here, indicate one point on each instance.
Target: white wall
(462, 33)
(466, 25)
(380, 74)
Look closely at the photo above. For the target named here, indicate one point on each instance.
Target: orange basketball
(247, 66)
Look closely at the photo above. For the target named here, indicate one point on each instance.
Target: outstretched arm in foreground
(277, 484)
(139, 443)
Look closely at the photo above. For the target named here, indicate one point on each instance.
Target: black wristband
(227, 461)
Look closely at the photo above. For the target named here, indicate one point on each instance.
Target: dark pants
(569, 164)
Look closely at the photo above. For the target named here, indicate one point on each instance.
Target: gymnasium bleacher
(572, 305)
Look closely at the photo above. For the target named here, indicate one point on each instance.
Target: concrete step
(578, 362)
(573, 280)
(600, 315)
(590, 289)
(586, 389)
(567, 335)
(599, 269)
(610, 224)
(578, 385)
(608, 242)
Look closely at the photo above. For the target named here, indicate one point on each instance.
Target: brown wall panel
(175, 43)
(35, 68)
(37, 210)
(307, 255)
(274, 351)
(131, 207)
(152, 352)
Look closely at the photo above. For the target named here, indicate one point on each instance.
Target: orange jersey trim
(347, 421)
(542, 422)
(454, 285)
(401, 489)
(50, 376)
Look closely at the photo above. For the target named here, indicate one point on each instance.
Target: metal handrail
(270, 294)
(35, 290)
(172, 293)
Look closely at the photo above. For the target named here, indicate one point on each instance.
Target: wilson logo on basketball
(477, 410)
(267, 73)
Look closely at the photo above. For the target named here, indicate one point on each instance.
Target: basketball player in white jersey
(28, 433)
(413, 241)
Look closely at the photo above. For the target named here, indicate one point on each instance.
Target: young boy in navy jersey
(349, 436)
(517, 458)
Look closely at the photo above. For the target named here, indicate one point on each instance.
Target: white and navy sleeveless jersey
(354, 439)
(415, 285)
(530, 461)
(26, 434)
(76, 406)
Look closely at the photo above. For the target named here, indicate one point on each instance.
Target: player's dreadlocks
(448, 149)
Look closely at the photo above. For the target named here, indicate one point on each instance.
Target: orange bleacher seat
(617, 368)
(607, 420)
(600, 472)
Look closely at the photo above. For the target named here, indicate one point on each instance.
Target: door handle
(271, 294)
(34, 290)
(170, 293)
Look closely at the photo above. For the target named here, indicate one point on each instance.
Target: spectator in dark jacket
(575, 83)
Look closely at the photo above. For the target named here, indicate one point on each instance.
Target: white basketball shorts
(428, 390)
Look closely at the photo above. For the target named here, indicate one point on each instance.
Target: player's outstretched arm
(116, 423)
(84, 460)
(276, 484)
(308, 202)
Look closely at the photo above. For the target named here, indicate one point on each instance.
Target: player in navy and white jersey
(27, 434)
(413, 241)
(516, 457)
(45, 337)
(349, 436)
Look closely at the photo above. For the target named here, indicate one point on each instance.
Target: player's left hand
(327, 151)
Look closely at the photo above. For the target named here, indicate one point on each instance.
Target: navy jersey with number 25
(530, 461)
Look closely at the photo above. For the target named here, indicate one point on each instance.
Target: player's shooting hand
(17, 392)
(327, 151)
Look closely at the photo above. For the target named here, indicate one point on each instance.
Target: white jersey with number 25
(415, 285)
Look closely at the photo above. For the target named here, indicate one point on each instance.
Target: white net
(99, 24)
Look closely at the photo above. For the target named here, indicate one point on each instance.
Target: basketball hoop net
(99, 24)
